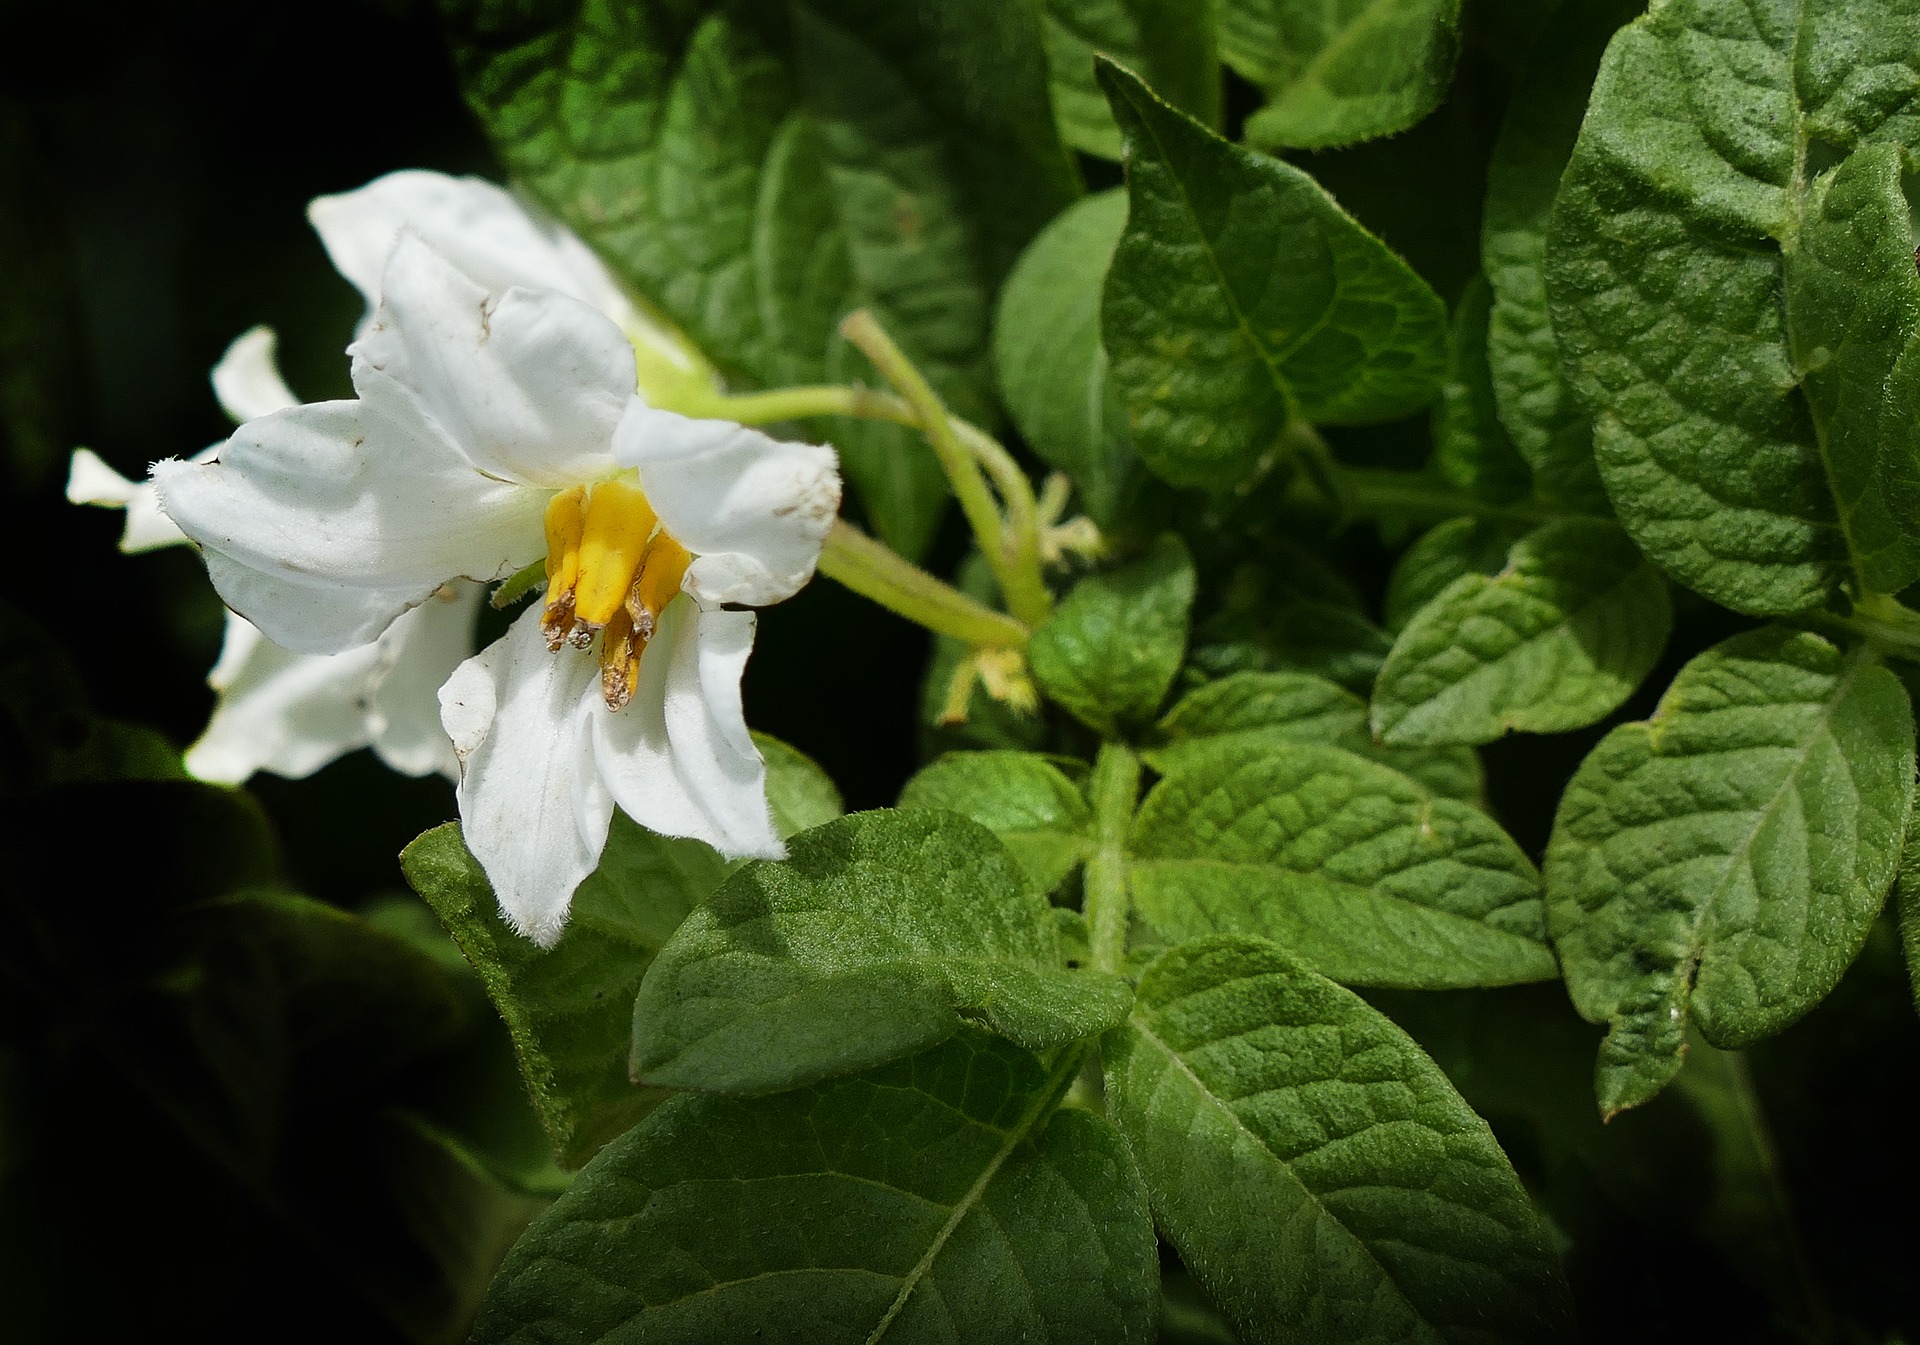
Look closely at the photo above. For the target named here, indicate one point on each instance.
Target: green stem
(1887, 621)
(1016, 561)
(1115, 788)
(876, 572)
(1371, 491)
(802, 403)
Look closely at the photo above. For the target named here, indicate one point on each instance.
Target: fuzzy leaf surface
(756, 171)
(1341, 71)
(1692, 179)
(1471, 449)
(1115, 644)
(1047, 353)
(1722, 862)
(1460, 546)
(939, 1199)
(569, 1008)
(878, 936)
(800, 794)
(1039, 814)
(1315, 1168)
(1556, 640)
(1242, 297)
(1349, 865)
(1252, 710)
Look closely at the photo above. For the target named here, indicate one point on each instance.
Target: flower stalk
(882, 575)
(1114, 789)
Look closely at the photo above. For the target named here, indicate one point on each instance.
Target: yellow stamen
(658, 581)
(619, 661)
(619, 523)
(566, 521)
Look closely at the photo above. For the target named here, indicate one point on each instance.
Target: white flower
(290, 713)
(498, 240)
(493, 431)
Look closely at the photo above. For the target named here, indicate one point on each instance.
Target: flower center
(610, 568)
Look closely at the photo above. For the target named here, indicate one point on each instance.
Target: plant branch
(1114, 789)
(876, 572)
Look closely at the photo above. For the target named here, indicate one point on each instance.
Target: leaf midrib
(1039, 1109)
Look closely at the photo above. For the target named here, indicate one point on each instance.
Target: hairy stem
(1371, 491)
(877, 572)
(1114, 788)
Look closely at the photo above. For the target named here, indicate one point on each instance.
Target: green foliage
(1470, 445)
(1720, 864)
(1436, 558)
(800, 161)
(1548, 426)
(1556, 640)
(1169, 42)
(878, 936)
(1111, 651)
(1314, 1167)
(1254, 711)
(941, 1198)
(1242, 298)
(1342, 71)
(1047, 354)
(1038, 813)
(801, 795)
(1350, 866)
(570, 1008)
(1694, 199)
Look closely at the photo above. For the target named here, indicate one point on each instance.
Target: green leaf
(1023, 798)
(877, 937)
(939, 1199)
(1170, 42)
(1548, 426)
(758, 171)
(1113, 647)
(570, 1008)
(1722, 862)
(1691, 177)
(1241, 298)
(1343, 70)
(1556, 640)
(1255, 710)
(1346, 863)
(800, 794)
(1470, 446)
(1460, 546)
(1047, 352)
(1853, 312)
(1908, 892)
(1313, 1166)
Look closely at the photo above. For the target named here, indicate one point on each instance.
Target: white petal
(418, 653)
(280, 711)
(529, 383)
(323, 523)
(752, 509)
(247, 380)
(532, 807)
(678, 758)
(91, 481)
(485, 231)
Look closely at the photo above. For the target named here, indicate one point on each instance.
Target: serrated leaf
(1471, 449)
(1241, 297)
(1341, 71)
(1349, 865)
(1460, 546)
(1690, 179)
(1722, 862)
(1549, 428)
(1114, 645)
(1039, 814)
(1853, 312)
(799, 793)
(876, 937)
(1047, 352)
(1170, 42)
(1254, 710)
(1556, 640)
(939, 1199)
(569, 1008)
(1315, 1168)
(758, 171)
